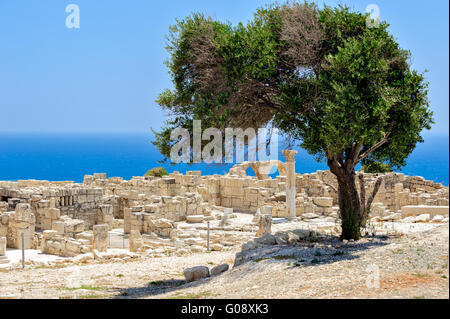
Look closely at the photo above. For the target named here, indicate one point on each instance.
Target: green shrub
(157, 172)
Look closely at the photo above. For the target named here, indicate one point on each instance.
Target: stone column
(100, 241)
(290, 183)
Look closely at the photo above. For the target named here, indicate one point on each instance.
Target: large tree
(342, 88)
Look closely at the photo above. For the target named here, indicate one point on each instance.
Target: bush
(157, 172)
(376, 167)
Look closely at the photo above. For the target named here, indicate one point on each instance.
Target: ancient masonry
(173, 213)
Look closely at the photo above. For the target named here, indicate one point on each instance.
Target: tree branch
(376, 146)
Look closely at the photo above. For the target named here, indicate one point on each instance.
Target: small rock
(195, 218)
(424, 218)
(438, 219)
(219, 269)
(196, 273)
(197, 249)
(392, 217)
(266, 239)
(216, 247)
(97, 255)
(83, 258)
(310, 216)
(250, 245)
(409, 219)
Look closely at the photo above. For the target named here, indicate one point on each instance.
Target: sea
(68, 157)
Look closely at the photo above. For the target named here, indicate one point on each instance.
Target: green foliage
(375, 167)
(157, 172)
(361, 90)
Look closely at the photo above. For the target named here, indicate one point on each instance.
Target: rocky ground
(412, 263)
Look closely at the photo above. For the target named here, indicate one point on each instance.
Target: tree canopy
(344, 90)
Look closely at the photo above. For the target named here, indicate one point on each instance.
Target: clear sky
(105, 76)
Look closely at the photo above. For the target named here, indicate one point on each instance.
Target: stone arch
(261, 169)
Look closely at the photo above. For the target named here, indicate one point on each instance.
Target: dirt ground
(407, 266)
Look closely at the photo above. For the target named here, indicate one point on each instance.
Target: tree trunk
(349, 205)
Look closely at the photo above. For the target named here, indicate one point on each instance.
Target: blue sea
(68, 157)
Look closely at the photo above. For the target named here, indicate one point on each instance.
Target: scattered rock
(323, 201)
(266, 239)
(424, 218)
(196, 273)
(219, 269)
(438, 219)
(83, 258)
(195, 218)
(310, 216)
(216, 247)
(409, 219)
(392, 217)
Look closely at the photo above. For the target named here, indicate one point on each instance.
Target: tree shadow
(161, 287)
(323, 249)
(312, 252)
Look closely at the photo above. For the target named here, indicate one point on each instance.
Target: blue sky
(105, 76)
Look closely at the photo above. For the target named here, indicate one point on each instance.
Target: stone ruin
(174, 214)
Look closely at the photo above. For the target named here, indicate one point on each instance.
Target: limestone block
(83, 258)
(163, 223)
(73, 226)
(424, 218)
(24, 214)
(196, 273)
(73, 247)
(100, 240)
(195, 218)
(310, 216)
(264, 225)
(2, 246)
(217, 270)
(438, 219)
(323, 201)
(99, 175)
(216, 247)
(59, 227)
(52, 213)
(392, 217)
(49, 234)
(418, 210)
(136, 241)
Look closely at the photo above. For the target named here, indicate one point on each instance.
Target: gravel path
(413, 266)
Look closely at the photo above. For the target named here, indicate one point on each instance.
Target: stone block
(196, 273)
(100, 240)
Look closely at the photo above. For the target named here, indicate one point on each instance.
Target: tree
(342, 89)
